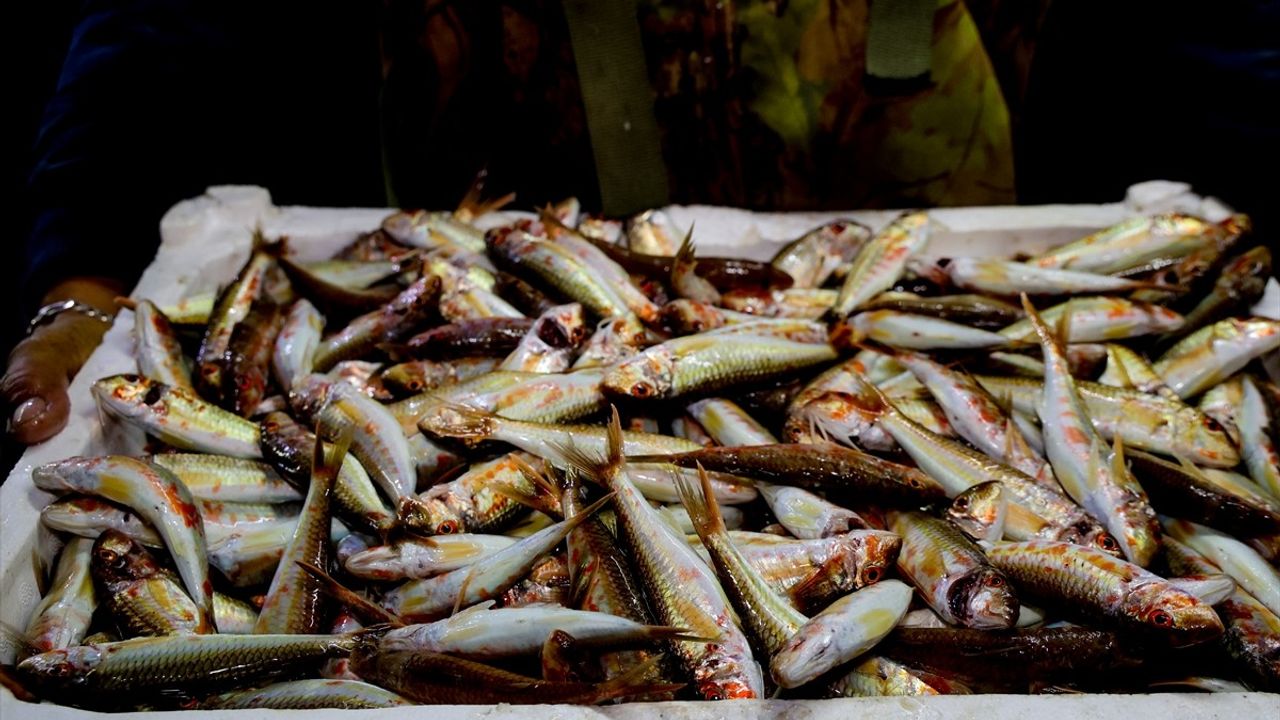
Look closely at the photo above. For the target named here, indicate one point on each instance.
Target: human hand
(34, 387)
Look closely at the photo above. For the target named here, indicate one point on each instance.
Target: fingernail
(29, 410)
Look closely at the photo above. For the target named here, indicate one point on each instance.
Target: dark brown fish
(247, 364)
(486, 337)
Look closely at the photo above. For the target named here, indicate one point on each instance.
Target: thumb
(35, 387)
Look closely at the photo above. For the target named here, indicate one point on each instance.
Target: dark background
(1102, 95)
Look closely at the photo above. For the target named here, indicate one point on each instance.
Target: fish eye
(1161, 618)
(1212, 425)
(448, 527)
(642, 390)
(995, 581)
(414, 385)
(873, 575)
(714, 695)
(1170, 277)
(961, 502)
(1108, 543)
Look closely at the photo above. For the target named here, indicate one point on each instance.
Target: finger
(35, 387)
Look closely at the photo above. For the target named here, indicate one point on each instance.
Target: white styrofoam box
(205, 240)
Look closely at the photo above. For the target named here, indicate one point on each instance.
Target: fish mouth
(1195, 625)
(984, 600)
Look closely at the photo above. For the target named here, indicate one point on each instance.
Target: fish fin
(683, 260)
(462, 591)
(1118, 464)
(325, 466)
(540, 494)
(459, 421)
(1115, 370)
(471, 206)
(700, 503)
(360, 606)
(1191, 468)
(547, 215)
(572, 522)
(1042, 330)
(589, 467)
(632, 682)
(806, 594)
(1014, 444)
(579, 593)
(557, 656)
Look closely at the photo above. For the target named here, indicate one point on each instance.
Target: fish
(977, 417)
(486, 337)
(546, 440)
(230, 309)
(1126, 368)
(293, 354)
(1238, 286)
(952, 574)
(702, 363)
(1036, 510)
(1008, 278)
(193, 310)
(846, 630)
(881, 261)
(1251, 572)
(1091, 584)
(1186, 491)
(157, 348)
(978, 311)
(357, 274)
(981, 512)
(1099, 319)
(614, 339)
(1131, 243)
(412, 558)
(153, 493)
(416, 376)
(652, 233)
(246, 364)
(729, 424)
(438, 678)
(227, 479)
(540, 259)
(62, 617)
(739, 305)
(119, 673)
(1096, 478)
(378, 443)
(291, 447)
(433, 597)
(87, 517)
(312, 694)
(878, 676)
(552, 342)
(526, 298)
(1258, 444)
(806, 515)
(295, 602)
(390, 323)
(482, 632)
(682, 591)
(815, 256)
(919, 332)
(1013, 660)
(828, 467)
(143, 597)
(178, 417)
(1142, 421)
(333, 298)
(768, 619)
(485, 498)
(1199, 362)
(685, 280)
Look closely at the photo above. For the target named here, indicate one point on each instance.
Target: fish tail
(701, 505)
(633, 682)
(359, 605)
(326, 466)
(586, 466)
(572, 522)
(459, 421)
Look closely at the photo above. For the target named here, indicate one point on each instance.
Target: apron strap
(900, 40)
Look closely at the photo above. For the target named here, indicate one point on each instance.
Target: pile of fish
(567, 460)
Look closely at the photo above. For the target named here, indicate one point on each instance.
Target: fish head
(116, 557)
(870, 555)
(985, 600)
(308, 394)
(719, 677)
(838, 418)
(128, 395)
(688, 317)
(428, 516)
(1175, 616)
(1210, 440)
(406, 226)
(62, 669)
(646, 376)
(563, 326)
(980, 511)
(1163, 319)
